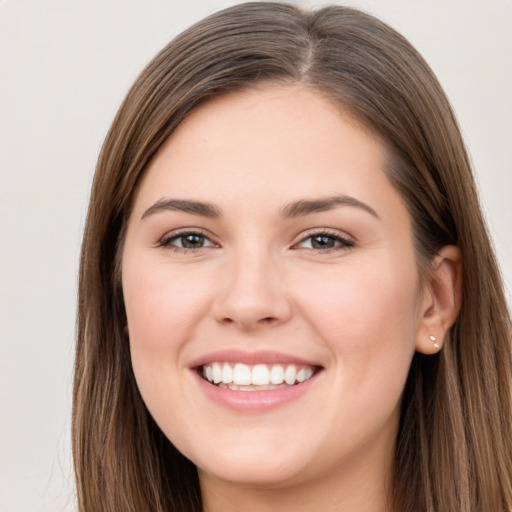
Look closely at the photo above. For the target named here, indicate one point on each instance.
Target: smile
(259, 377)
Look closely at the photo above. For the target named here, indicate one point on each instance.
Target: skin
(258, 282)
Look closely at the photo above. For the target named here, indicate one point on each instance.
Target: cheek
(163, 309)
(366, 314)
(161, 304)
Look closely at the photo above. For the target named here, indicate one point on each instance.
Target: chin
(255, 466)
(256, 475)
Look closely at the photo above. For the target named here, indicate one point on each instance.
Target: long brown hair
(454, 441)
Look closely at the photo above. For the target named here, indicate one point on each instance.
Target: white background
(64, 69)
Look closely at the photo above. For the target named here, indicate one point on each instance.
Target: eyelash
(339, 242)
(166, 242)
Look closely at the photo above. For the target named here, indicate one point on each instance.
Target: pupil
(322, 242)
(191, 241)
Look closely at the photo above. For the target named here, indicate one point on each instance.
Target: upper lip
(251, 358)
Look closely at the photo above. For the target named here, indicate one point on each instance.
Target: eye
(188, 240)
(325, 241)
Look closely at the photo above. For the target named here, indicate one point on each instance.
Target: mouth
(258, 377)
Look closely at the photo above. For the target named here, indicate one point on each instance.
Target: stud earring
(434, 339)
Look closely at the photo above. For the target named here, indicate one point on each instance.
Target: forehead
(260, 149)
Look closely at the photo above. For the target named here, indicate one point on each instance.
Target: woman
(287, 292)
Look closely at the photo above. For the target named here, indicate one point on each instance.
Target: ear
(442, 297)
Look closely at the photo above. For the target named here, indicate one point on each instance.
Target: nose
(252, 294)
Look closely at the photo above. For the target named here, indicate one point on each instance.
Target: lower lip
(257, 401)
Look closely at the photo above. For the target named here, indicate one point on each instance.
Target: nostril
(251, 308)
(267, 320)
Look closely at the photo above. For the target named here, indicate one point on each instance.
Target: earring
(434, 339)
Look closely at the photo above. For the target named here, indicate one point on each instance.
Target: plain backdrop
(64, 69)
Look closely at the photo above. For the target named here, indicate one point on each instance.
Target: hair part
(453, 445)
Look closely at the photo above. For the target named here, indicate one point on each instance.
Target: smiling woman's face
(266, 246)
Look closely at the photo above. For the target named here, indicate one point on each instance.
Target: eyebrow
(307, 206)
(181, 205)
(296, 209)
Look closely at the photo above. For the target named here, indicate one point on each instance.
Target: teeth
(227, 374)
(304, 374)
(242, 375)
(290, 374)
(277, 374)
(261, 376)
(216, 373)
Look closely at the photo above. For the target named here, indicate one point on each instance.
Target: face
(271, 291)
